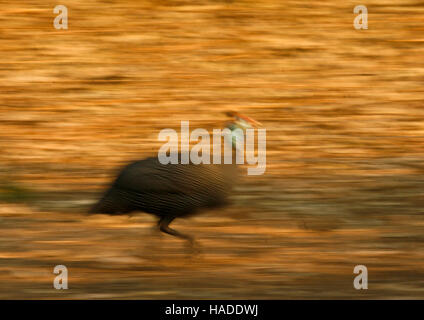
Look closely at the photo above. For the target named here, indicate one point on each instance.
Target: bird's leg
(164, 227)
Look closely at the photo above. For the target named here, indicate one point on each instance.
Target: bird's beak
(253, 122)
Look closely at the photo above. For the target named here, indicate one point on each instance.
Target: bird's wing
(148, 175)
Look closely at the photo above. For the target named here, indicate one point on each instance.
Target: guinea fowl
(173, 190)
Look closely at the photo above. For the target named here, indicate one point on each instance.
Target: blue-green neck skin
(237, 131)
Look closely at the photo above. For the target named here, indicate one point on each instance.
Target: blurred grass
(343, 113)
(11, 192)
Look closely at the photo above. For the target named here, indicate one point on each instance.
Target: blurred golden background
(343, 111)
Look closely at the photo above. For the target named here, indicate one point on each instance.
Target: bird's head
(242, 121)
(238, 124)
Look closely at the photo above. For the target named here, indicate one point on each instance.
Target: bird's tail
(99, 207)
(110, 203)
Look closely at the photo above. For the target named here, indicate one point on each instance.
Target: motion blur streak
(343, 110)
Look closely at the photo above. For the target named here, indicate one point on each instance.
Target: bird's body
(168, 189)
(172, 190)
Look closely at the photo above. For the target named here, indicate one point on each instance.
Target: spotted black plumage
(168, 190)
